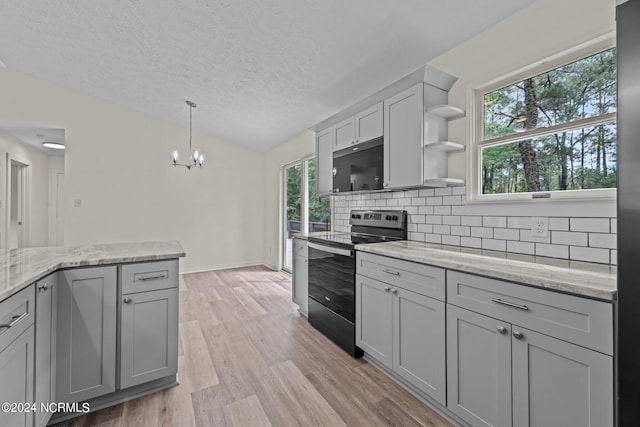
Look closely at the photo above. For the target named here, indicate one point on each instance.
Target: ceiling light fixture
(196, 157)
(56, 145)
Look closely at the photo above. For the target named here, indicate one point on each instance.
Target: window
(550, 133)
(304, 210)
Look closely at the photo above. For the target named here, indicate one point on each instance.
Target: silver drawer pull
(155, 277)
(395, 273)
(510, 304)
(15, 320)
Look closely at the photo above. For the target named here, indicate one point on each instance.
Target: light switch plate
(539, 226)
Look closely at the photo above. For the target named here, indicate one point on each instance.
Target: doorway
(56, 208)
(17, 209)
(303, 211)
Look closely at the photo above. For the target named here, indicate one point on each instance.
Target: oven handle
(323, 248)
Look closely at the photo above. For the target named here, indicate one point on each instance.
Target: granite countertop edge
(576, 278)
(19, 268)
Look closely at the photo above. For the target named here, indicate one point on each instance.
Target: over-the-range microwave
(359, 168)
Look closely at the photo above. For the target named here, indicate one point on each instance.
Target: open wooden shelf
(447, 112)
(444, 182)
(447, 146)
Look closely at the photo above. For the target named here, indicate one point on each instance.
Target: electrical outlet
(539, 226)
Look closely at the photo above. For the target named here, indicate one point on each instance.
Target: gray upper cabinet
(148, 336)
(368, 124)
(324, 161)
(16, 355)
(45, 357)
(344, 134)
(86, 339)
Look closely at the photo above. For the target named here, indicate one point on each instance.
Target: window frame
(476, 128)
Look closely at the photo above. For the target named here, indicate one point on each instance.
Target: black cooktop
(349, 240)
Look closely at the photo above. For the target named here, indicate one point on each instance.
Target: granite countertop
(21, 267)
(579, 278)
(305, 236)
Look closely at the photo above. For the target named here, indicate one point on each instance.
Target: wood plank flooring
(248, 358)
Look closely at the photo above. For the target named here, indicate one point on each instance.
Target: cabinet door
(344, 134)
(478, 368)
(374, 308)
(300, 288)
(556, 383)
(16, 378)
(45, 350)
(403, 136)
(324, 161)
(149, 336)
(86, 341)
(419, 342)
(369, 123)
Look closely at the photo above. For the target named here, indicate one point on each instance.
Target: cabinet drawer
(423, 279)
(149, 276)
(582, 321)
(300, 247)
(16, 315)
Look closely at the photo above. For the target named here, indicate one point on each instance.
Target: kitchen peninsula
(95, 324)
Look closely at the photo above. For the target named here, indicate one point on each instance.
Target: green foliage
(319, 207)
(576, 159)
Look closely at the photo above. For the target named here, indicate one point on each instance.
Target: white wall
(117, 164)
(296, 148)
(39, 178)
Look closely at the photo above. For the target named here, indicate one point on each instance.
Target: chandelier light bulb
(197, 157)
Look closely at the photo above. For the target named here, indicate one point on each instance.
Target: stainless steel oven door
(332, 279)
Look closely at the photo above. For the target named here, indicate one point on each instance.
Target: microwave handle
(323, 248)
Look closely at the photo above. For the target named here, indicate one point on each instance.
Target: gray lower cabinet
(16, 356)
(404, 331)
(86, 333)
(501, 374)
(148, 336)
(45, 351)
(300, 282)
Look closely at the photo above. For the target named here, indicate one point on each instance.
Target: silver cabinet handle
(502, 330)
(153, 277)
(14, 321)
(387, 289)
(395, 273)
(43, 287)
(517, 334)
(386, 184)
(395, 291)
(126, 300)
(510, 304)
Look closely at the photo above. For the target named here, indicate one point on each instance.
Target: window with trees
(552, 132)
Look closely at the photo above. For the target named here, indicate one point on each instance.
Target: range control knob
(353, 216)
(395, 217)
(388, 218)
(359, 216)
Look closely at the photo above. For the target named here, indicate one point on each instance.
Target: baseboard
(226, 267)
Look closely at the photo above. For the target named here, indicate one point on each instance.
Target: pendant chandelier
(196, 157)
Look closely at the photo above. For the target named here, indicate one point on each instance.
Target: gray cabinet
(344, 134)
(324, 161)
(407, 127)
(364, 126)
(404, 331)
(501, 374)
(45, 350)
(16, 355)
(300, 282)
(86, 338)
(148, 336)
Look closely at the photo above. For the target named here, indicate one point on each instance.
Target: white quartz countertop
(21, 267)
(579, 278)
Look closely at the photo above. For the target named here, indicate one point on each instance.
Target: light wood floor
(248, 358)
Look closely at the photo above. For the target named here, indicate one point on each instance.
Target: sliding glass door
(304, 211)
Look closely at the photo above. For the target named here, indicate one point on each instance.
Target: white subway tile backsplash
(471, 242)
(553, 251)
(494, 221)
(494, 245)
(593, 225)
(475, 221)
(483, 232)
(451, 240)
(569, 238)
(440, 216)
(506, 233)
(580, 253)
(602, 240)
(521, 247)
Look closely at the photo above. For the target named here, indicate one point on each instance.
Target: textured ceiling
(260, 71)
